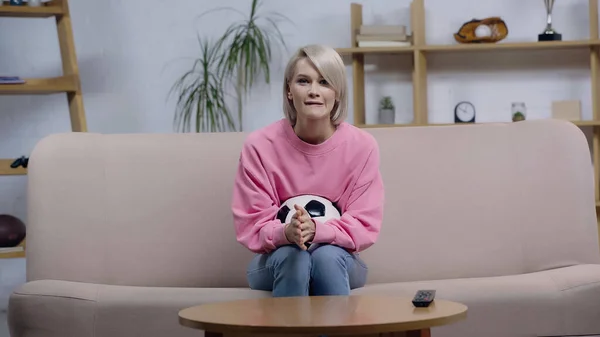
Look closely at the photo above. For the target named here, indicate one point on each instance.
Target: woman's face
(312, 96)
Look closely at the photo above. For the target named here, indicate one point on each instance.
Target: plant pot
(387, 116)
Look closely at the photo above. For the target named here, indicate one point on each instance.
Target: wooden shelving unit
(68, 83)
(420, 50)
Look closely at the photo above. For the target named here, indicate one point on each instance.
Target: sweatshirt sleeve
(359, 226)
(253, 206)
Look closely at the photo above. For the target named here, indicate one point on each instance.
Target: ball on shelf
(12, 231)
(483, 31)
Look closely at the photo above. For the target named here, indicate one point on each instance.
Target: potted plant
(519, 111)
(387, 112)
(237, 59)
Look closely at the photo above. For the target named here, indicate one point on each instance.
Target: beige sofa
(126, 230)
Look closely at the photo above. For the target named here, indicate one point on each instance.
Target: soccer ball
(317, 207)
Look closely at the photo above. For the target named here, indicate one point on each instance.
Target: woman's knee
(330, 262)
(290, 257)
(286, 262)
(329, 256)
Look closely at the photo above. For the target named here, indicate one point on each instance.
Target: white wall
(131, 52)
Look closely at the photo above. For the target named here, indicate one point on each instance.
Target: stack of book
(383, 36)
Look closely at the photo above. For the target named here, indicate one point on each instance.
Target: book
(384, 43)
(382, 37)
(382, 29)
(11, 80)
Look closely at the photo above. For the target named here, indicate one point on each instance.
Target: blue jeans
(290, 271)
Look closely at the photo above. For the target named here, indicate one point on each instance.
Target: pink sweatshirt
(276, 165)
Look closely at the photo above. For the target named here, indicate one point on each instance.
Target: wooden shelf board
(375, 50)
(586, 123)
(577, 44)
(5, 168)
(578, 123)
(512, 46)
(25, 11)
(41, 86)
(14, 255)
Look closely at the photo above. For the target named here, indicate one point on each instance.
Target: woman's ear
(289, 93)
(334, 109)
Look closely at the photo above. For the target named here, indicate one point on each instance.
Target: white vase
(34, 3)
(387, 116)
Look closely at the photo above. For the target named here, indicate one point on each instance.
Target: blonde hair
(330, 65)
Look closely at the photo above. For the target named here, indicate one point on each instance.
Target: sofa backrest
(461, 201)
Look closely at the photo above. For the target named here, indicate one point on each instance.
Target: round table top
(321, 314)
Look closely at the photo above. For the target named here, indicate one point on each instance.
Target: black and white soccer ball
(318, 208)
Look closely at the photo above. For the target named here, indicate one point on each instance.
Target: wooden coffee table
(321, 315)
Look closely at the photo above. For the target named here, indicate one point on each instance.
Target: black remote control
(423, 298)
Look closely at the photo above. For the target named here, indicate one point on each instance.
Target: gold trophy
(549, 33)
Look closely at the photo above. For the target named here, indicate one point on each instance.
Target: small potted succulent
(519, 111)
(387, 112)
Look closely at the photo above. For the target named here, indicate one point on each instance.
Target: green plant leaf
(247, 49)
(237, 59)
(201, 96)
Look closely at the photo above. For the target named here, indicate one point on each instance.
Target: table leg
(212, 334)
(412, 333)
(419, 333)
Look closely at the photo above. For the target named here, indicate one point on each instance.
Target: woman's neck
(314, 131)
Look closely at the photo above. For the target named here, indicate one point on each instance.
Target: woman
(312, 151)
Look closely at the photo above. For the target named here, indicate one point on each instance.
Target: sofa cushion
(557, 302)
(53, 308)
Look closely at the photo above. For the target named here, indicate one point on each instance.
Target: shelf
(41, 86)
(5, 168)
(366, 126)
(422, 53)
(25, 11)
(14, 255)
(375, 50)
(586, 123)
(579, 44)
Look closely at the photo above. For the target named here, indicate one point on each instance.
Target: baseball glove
(497, 28)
